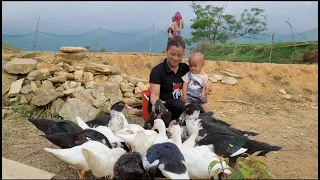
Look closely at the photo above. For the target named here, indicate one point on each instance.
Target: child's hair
(176, 41)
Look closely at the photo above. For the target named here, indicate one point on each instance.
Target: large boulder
(20, 66)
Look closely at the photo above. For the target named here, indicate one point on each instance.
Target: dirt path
(292, 124)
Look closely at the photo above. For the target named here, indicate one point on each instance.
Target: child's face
(196, 64)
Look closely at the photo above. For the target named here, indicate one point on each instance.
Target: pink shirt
(201, 78)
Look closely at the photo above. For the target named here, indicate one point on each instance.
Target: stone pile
(71, 90)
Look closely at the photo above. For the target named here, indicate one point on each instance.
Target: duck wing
(67, 140)
(99, 121)
(48, 126)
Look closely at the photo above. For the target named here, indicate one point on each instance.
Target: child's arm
(184, 91)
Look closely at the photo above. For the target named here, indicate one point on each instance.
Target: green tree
(212, 25)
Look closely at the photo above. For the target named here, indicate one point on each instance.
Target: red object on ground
(145, 101)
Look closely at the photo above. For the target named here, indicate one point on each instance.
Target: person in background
(171, 28)
(178, 24)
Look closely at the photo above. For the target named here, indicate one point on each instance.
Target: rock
(38, 75)
(112, 88)
(229, 72)
(87, 76)
(229, 80)
(114, 99)
(78, 67)
(128, 94)
(135, 112)
(99, 103)
(212, 79)
(89, 85)
(218, 77)
(13, 99)
(287, 96)
(45, 97)
(70, 76)
(47, 86)
(67, 67)
(116, 78)
(65, 85)
(15, 88)
(60, 89)
(60, 73)
(78, 75)
(99, 79)
(124, 75)
(73, 84)
(27, 89)
(34, 86)
(20, 66)
(7, 80)
(71, 49)
(68, 92)
(82, 94)
(133, 102)
(140, 87)
(127, 87)
(282, 91)
(23, 99)
(58, 79)
(135, 80)
(106, 69)
(56, 106)
(75, 107)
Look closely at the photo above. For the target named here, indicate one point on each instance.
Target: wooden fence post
(271, 47)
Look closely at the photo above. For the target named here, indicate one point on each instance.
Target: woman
(178, 24)
(171, 28)
(166, 78)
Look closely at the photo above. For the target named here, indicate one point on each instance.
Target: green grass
(282, 52)
(6, 46)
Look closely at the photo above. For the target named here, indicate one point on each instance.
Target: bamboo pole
(151, 39)
(292, 37)
(235, 48)
(97, 39)
(35, 38)
(271, 47)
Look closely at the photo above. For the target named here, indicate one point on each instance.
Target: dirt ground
(292, 124)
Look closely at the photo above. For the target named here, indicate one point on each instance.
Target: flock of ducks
(109, 146)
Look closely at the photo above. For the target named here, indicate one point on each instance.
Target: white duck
(101, 163)
(189, 143)
(74, 157)
(162, 136)
(197, 158)
(142, 142)
(130, 138)
(107, 132)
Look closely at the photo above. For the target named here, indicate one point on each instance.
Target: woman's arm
(176, 26)
(184, 91)
(155, 92)
(208, 87)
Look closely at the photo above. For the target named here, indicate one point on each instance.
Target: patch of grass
(6, 46)
(282, 52)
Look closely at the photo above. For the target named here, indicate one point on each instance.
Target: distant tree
(87, 47)
(211, 24)
(103, 50)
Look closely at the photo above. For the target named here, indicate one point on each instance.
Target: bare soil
(292, 124)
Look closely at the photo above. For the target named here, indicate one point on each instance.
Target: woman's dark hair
(176, 41)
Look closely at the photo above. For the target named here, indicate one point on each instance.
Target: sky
(63, 17)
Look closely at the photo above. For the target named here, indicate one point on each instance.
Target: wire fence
(152, 39)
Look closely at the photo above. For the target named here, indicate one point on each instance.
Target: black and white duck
(165, 160)
(129, 166)
(115, 110)
(191, 117)
(48, 126)
(159, 111)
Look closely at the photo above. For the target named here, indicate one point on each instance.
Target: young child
(193, 89)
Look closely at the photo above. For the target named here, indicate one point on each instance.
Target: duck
(198, 158)
(232, 147)
(129, 166)
(104, 120)
(142, 142)
(130, 138)
(48, 126)
(74, 157)
(101, 163)
(107, 132)
(192, 112)
(118, 121)
(71, 139)
(159, 111)
(165, 160)
(162, 136)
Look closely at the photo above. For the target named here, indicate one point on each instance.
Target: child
(193, 89)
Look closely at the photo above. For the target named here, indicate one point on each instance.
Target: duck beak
(128, 107)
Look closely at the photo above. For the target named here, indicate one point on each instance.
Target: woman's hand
(203, 94)
(185, 98)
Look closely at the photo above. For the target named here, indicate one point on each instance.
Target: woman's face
(174, 55)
